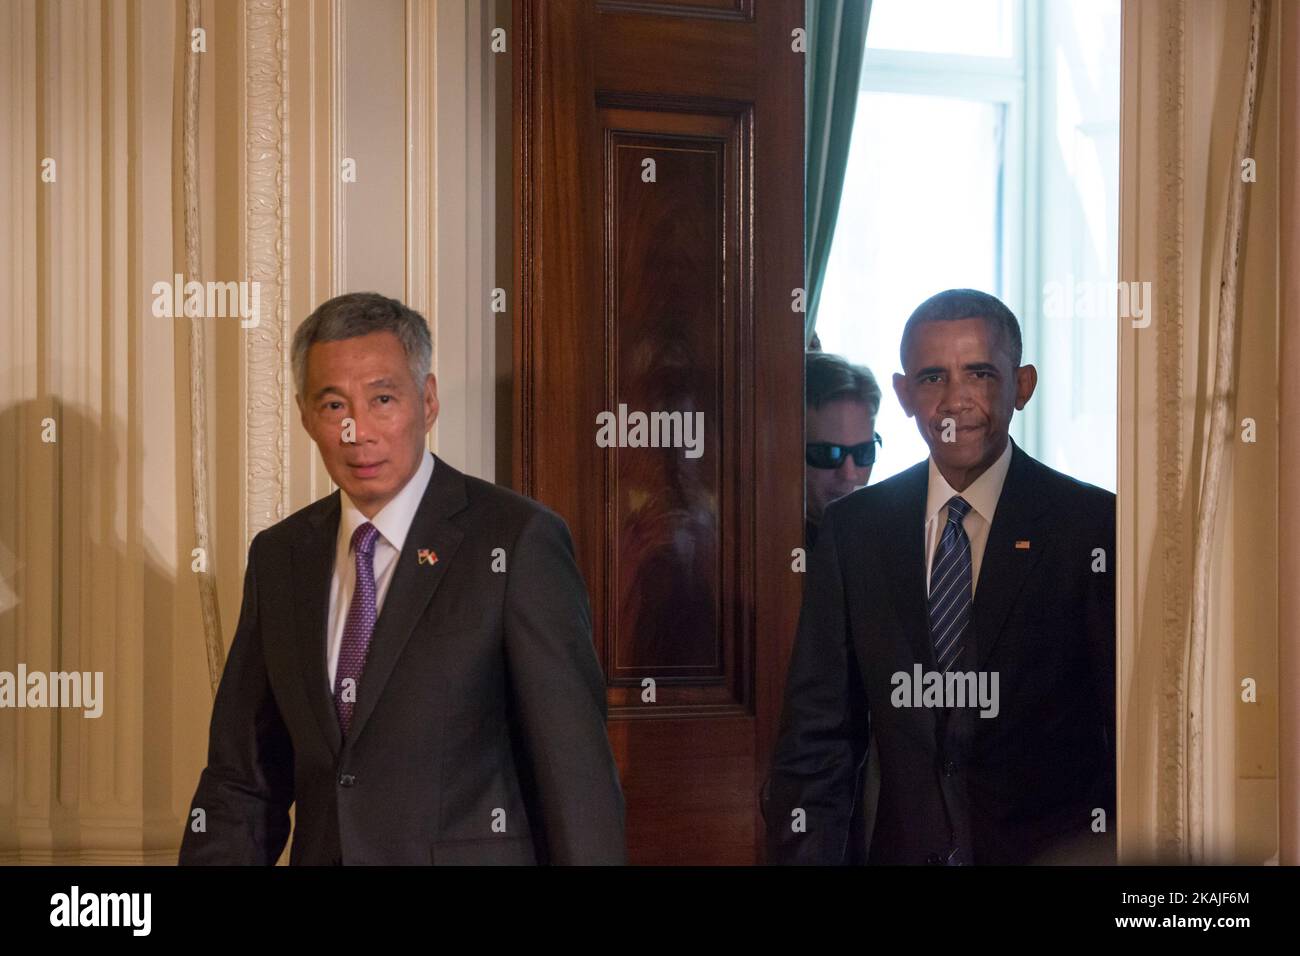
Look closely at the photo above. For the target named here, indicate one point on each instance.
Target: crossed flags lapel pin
(426, 556)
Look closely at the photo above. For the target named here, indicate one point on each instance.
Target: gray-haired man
(413, 665)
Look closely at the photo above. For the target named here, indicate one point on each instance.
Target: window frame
(1013, 82)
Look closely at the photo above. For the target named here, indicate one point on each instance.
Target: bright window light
(985, 154)
(970, 27)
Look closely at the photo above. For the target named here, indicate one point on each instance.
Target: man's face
(367, 379)
(844, 421)
(959, 385)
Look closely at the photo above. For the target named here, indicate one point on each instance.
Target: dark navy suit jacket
(955, 787)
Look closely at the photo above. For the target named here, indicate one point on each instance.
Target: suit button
(347, 780)
(949, 768)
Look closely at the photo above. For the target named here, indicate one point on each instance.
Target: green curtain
(837, 37)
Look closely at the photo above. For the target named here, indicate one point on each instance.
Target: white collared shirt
(983, 495)
(393, 522)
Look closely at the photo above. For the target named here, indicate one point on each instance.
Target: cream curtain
(1198, 757)
(102, 573)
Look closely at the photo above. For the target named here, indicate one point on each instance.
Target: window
(985, 154)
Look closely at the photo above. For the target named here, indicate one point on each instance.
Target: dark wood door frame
(720, 77)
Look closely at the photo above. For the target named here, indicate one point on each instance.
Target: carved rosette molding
(268, 392)
(1171, 810)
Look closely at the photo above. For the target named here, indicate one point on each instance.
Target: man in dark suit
(413, 665)
(980, 575)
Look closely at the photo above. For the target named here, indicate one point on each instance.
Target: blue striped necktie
(950, 588)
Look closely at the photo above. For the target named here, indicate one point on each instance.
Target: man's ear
(302, 414)
(430, 401)
(1026, 382)
(904, 394)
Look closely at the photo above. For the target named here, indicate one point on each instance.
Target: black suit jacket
(478, 734)
(955, 787)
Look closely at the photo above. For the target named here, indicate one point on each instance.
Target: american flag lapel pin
(426, 556)
(1022, 545)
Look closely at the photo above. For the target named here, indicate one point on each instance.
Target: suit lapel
(905, 529)
(413, 584)
(313, 568)
(1006, 567)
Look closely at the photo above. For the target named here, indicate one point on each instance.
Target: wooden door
(659, 241)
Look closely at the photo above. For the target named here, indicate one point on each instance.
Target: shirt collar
(393, 520)
(982, 494)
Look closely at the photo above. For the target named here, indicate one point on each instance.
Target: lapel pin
(426, 556)
(1022, 545)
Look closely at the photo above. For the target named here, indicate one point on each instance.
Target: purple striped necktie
(358, 628)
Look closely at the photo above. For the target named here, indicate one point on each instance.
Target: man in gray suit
(413, 664)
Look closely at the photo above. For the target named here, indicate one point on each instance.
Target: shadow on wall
(75, 597)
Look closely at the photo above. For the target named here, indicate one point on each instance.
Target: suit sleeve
(559, 696)
(247, 787)
(824, 723)
(1101, 647)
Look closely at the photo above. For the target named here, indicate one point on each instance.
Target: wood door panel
(671, 296)
(712, 9)
(689, 787)
(675, 602)
(670, 63)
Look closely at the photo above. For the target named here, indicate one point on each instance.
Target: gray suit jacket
(479, 729)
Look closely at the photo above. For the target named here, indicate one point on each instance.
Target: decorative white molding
(268, 390)
(1181, 606)
(421, 168)
(1221, 402)
(464, 226)
(338, 119)
(200, 485)
(1171, 751)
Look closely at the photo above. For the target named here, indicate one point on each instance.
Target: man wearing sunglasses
(980, 567)
(839, 432)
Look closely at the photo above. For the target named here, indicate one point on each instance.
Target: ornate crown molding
(266, 214)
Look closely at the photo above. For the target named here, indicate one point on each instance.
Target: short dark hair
(953, 304)
(829, 378)
(360, 313)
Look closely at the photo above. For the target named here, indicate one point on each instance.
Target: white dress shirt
(393, 522)
(982, 494)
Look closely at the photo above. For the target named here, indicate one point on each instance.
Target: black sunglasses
(826, 455)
